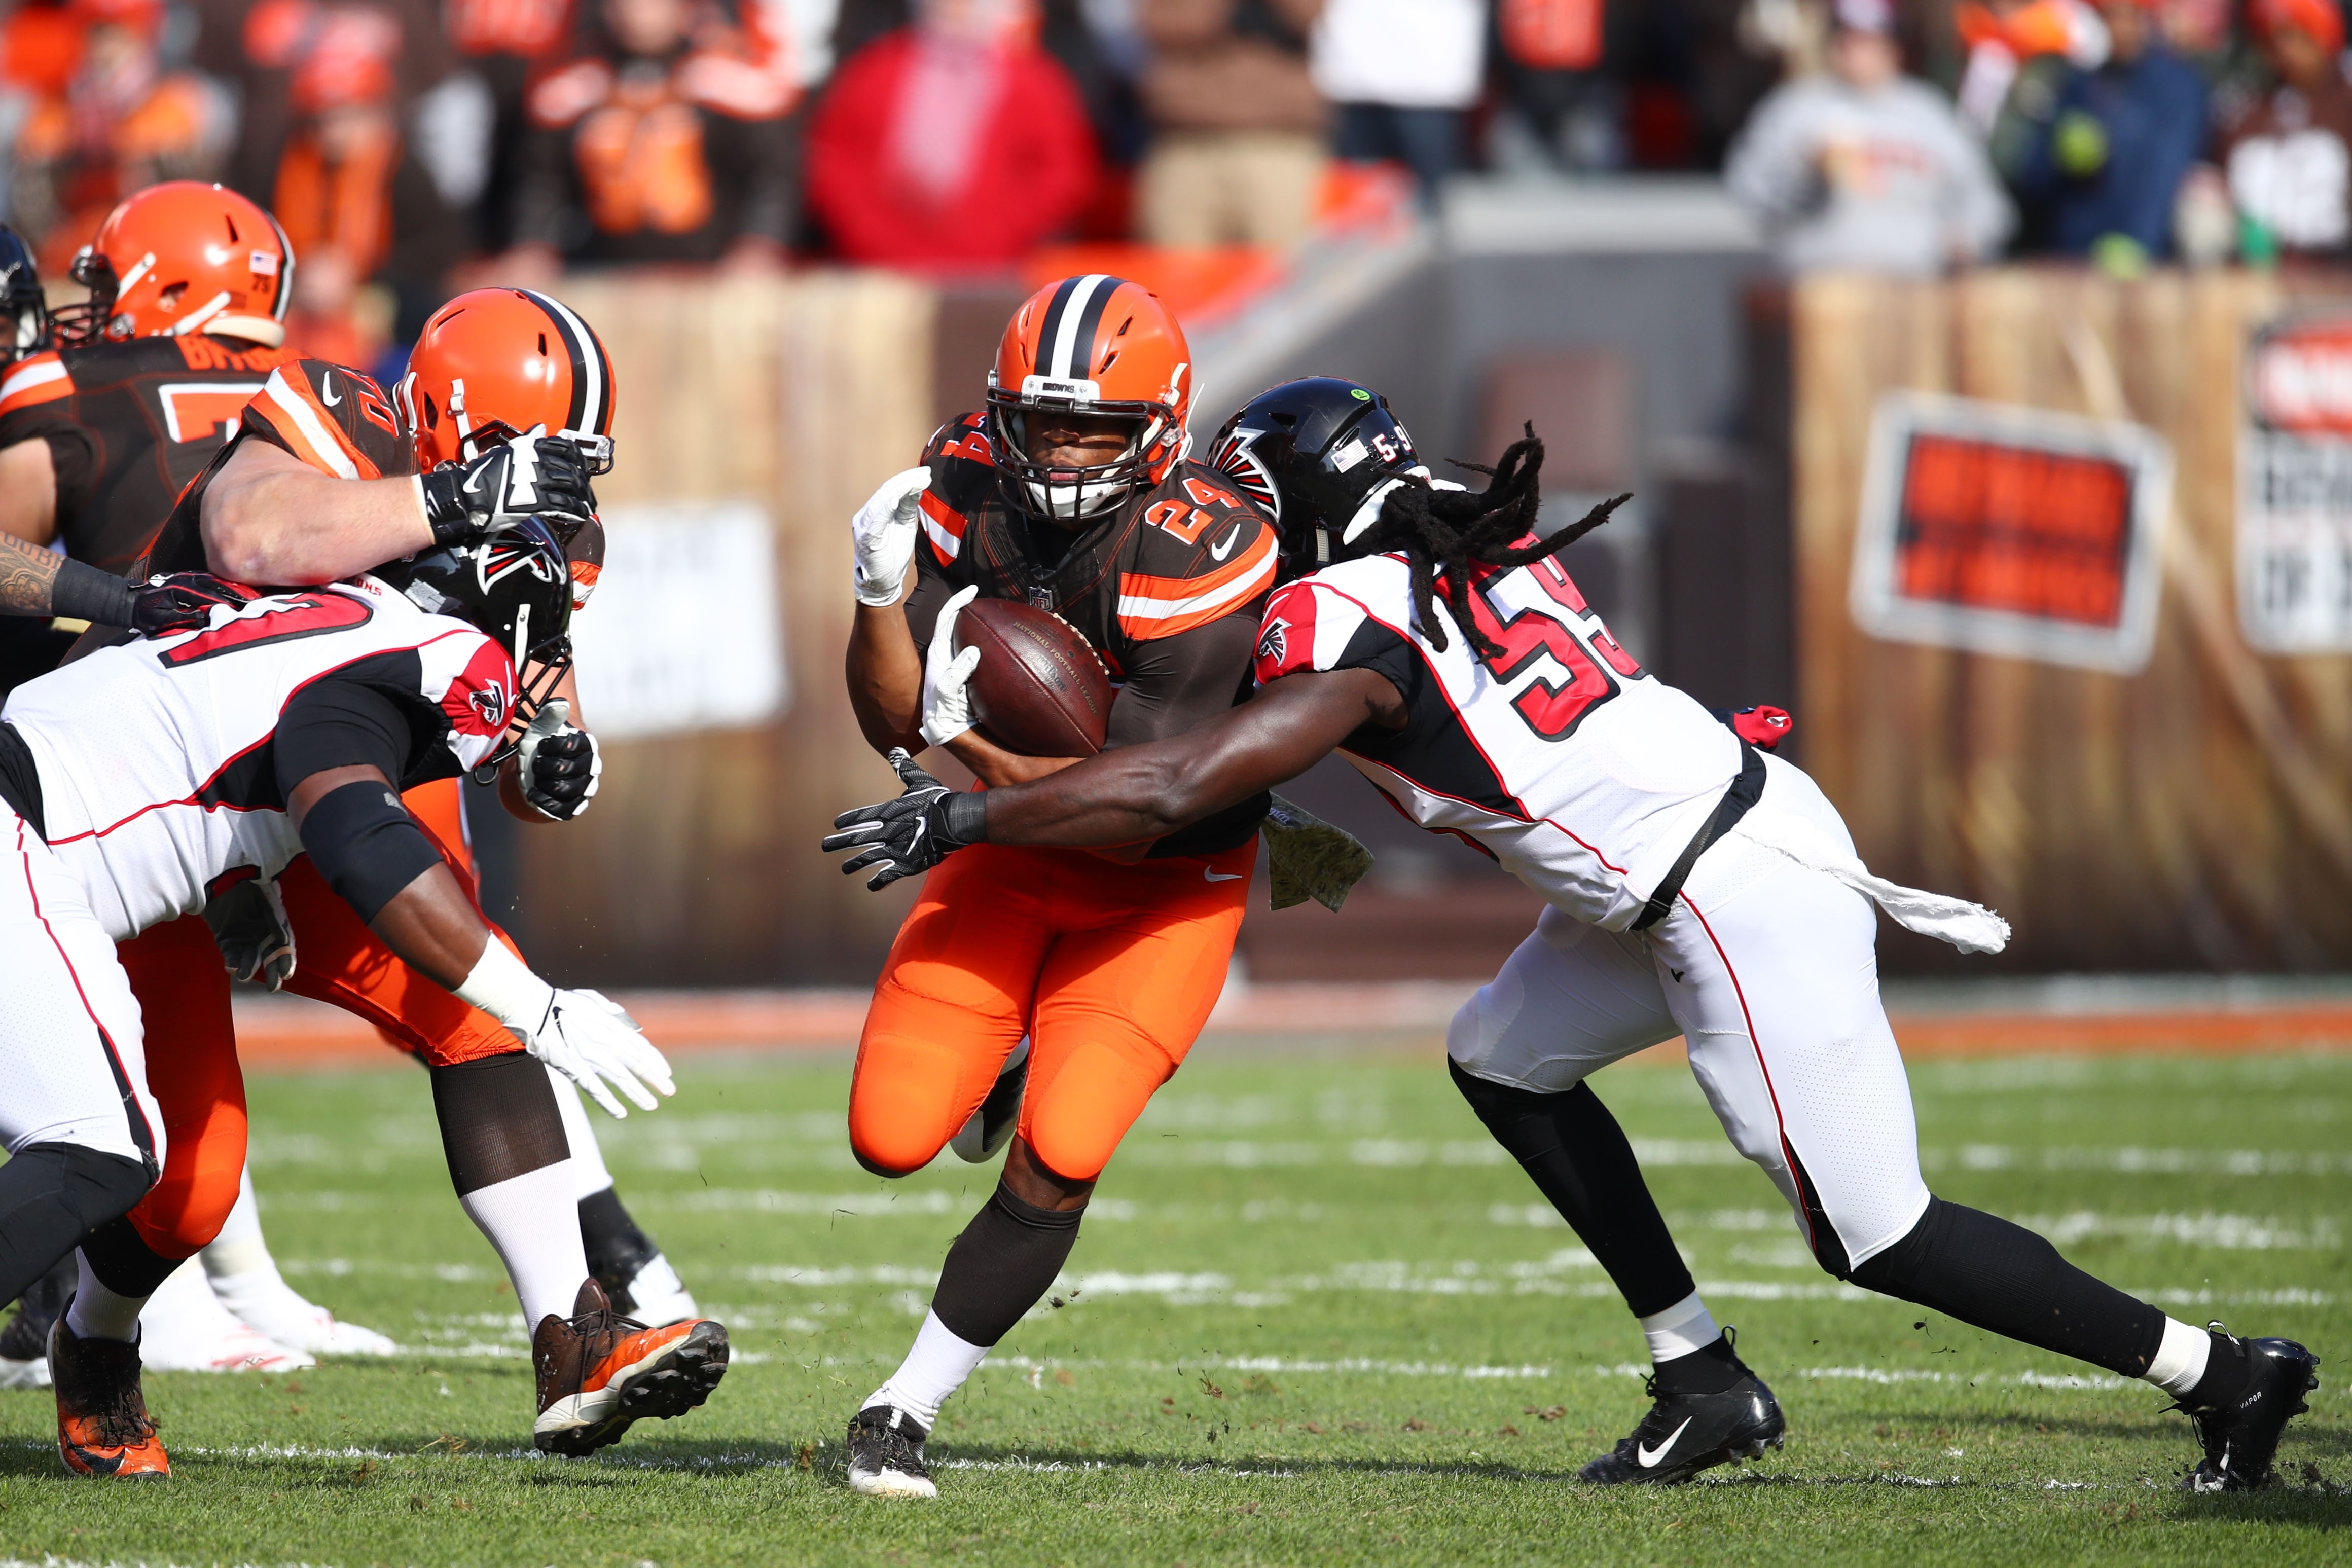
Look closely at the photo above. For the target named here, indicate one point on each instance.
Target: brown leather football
(1039, 691)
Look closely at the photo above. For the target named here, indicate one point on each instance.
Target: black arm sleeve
(1176, 684)
(362, 716)
(361, 838)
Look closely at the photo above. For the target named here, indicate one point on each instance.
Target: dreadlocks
(1449, 532)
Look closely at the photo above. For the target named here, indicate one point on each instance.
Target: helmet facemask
(1072, 496)
(79, 324)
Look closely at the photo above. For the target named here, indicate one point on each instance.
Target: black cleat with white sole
(2242, 1437)
(1687, 1433)
(885, 1455)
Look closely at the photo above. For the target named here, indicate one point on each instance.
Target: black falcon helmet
(24, 310)
(515, 587)
(1320, 455)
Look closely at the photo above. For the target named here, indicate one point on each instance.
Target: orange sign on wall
(2011, 530)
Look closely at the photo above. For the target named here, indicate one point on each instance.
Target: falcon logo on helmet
(1093, 345)
(179, 257)
(515, 589)
(1329, 452)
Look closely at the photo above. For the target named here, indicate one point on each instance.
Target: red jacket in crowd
(1020, 173)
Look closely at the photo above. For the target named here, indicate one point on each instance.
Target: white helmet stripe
(590, 364)
(1066, 346)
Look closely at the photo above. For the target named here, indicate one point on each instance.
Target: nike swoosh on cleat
(1218, 552)
(1223, 876)
(1650, 1457)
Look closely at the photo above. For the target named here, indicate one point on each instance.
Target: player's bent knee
(1896, 1268)
(1074, 1153)
(894, 1146)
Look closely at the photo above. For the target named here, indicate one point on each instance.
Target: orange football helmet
(495, 363)
(184, 256)
(1090, 345)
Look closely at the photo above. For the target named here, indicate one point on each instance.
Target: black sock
(1709, 1369)
(617, 1248)
(50, 1195)
(1995, 1275)
(498, 1120)
(1577, 1155)
(2228, 1370)
(123, 1261)
(1002, 1265)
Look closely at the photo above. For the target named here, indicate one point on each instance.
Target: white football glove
(557, 765)
(947, 675)
(884, 533)
(581, 1034)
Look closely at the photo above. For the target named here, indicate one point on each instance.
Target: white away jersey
(156, 768)
(1583, 774)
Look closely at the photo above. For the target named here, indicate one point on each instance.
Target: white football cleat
(32, 1374)
(265, 1303)
(186, 1329)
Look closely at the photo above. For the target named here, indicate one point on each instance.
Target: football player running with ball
(1068, 491)
(1697, 887)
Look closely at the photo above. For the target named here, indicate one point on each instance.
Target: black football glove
(184, 601)
(912, 833)
(558, 765)
(250, 928)
(543, 476)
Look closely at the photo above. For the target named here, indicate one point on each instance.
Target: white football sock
(1684, 1327)
(239, 1249)
(934, 1369)
(589, 1175)
(533, 1221)
(97, 1313)
(2179, 1361)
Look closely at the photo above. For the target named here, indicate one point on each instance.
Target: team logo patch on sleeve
(1273, 642)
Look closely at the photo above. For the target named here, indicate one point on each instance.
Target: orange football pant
(1109, 970)
(192, 1068)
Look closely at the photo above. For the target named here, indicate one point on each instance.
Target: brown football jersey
(1167, 587)
(128, 424)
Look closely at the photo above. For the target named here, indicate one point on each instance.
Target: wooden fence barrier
(699, 863)
(2197, 814)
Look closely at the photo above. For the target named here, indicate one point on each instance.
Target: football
(1040, 690)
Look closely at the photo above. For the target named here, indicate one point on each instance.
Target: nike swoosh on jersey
(1218, 552)
(1223, 876)
(327, 391)
(1650, 1457)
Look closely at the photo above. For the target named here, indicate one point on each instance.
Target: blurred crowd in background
(414, 147)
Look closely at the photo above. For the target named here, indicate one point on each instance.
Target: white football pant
(73, 1069)
(1769, 972)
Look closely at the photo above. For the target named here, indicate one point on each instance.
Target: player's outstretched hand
(947, 676)
(558, 764)
(184, 601)
(883, 534)
(590, 1040)
(911, 834)
(534, 476)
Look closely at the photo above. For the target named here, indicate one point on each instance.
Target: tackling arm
(270, 518)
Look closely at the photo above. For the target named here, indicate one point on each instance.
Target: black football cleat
(2242, 1437)
(990, 1127)
(885, 1455)
(1687, 1433)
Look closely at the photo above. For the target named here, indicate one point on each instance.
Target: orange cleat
(600, 1372)
(103, 1425)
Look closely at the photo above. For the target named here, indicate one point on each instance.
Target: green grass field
(1314, 1317)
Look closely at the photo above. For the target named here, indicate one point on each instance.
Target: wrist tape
(503, 986)
(963, 819)
(366, 845)
(82, 592)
